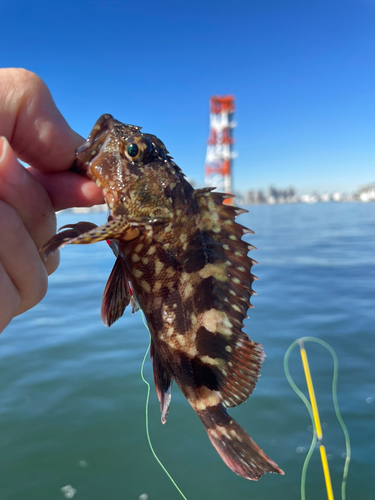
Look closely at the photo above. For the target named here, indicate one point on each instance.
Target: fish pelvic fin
(117, 294)
(163, 382)
(239, 452)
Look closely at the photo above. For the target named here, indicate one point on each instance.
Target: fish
(181, 259)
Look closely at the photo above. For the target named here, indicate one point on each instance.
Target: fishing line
(147, 406)
(314, 414)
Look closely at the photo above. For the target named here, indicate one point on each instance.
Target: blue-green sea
(72, 402)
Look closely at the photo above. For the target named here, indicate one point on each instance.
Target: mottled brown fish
(180, 250)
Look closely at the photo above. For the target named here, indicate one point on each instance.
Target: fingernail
(11, 171)
(3, 146)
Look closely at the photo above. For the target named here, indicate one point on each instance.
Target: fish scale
(180, 255)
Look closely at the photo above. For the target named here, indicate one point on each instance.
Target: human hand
(34, 131)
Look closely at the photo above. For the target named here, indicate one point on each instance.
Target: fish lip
(93, 144)
(79, 168)
(103, 125)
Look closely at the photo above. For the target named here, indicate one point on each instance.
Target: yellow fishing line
(310, 388)
(314, 414)
(318, 427)
(147, 405)
(327, 476)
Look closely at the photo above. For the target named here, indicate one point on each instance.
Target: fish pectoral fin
(60, 239)
(116, 295)
(80, 227)
(84, 233)
(163, 383)
(142, 221)
(239, 452)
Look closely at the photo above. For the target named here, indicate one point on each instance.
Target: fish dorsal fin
(232, 361)
(116, 294)
(225, 250)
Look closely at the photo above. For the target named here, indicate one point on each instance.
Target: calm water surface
(72, 402)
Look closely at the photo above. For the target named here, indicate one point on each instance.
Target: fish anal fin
(236, 448)
(165, 403)
(116, 294)
(134, 304)
(163, 383)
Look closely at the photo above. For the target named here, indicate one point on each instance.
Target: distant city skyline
(309, 190)
(274, 195)
(303, 74)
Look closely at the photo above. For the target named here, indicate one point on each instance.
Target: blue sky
(303, 73)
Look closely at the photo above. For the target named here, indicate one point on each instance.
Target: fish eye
(133, 150)
(136, 149)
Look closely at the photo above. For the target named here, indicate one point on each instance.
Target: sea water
(72, 402)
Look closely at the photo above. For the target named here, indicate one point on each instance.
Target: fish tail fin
(239, 452)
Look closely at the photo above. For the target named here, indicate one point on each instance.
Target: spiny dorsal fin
(235, 360)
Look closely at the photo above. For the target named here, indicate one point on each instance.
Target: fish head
(133, 169)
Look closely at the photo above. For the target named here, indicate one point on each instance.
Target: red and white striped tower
(218, 167)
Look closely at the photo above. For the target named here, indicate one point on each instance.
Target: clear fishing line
(147, 406)
(312, 411)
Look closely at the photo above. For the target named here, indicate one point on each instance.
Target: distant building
(288, 195)
(366, 193)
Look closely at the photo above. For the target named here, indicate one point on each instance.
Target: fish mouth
(98, 136)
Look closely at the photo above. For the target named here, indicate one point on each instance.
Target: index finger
(33, 125)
